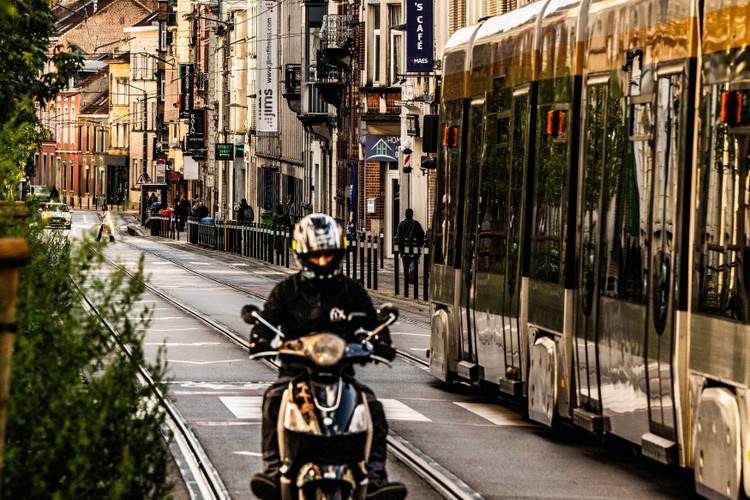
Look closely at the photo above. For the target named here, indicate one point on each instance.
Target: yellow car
(56, 215)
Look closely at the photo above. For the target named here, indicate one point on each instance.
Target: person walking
(409, 235)
(183, 210)
(106, 224)
(54, 195)
(245, 213)
(281, 222)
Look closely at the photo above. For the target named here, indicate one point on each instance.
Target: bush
(69, 435)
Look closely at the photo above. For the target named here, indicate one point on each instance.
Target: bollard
(406, 261)
(369, 261)
(415, 260)
(381, 241)
(426, 272)
(375, 260)
(396, 278)
(347, 256)
(14, 253)
(287, 241)
(362, 259)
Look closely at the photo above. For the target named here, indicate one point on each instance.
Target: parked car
(56, 215)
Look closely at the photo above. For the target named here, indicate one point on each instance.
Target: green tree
(25, 30)
(80, 424)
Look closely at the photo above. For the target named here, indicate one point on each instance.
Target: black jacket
(301, 307)
(408, 233)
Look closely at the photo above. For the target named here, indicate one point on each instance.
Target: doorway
(392, 209)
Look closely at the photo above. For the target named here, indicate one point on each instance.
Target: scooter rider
(318, 298)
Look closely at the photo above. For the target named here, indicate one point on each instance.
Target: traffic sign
(143, 179)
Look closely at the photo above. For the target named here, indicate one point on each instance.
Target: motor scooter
(324, 427)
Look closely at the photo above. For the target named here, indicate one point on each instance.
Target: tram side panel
(551, 226)
(720, 299)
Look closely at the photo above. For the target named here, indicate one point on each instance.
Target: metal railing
(364, 259)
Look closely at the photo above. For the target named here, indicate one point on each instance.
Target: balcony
(293, 86)
(314, 115)
(337, 39)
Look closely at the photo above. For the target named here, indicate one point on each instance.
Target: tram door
(511, 291)
(669, 138)
(590, 268)
(469, 240)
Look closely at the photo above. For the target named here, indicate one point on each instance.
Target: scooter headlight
(360, 419)
(327, 349)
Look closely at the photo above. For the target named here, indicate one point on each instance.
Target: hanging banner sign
(189, 168)
(187, 81)
(419, 36)
(381, 147)
(196, 136)
(268, 63)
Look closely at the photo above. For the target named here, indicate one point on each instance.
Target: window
(396, 56)
(65, 126)
(447, 184)
(396, 45)
(375, 55)
(722, 218)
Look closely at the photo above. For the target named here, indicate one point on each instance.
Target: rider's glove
(383, 350)
(259, 344)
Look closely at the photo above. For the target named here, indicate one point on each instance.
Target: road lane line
(411, 334)
(502, 417)
(248, 453)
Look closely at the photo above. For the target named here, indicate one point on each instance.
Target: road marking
(218, 386)
(182, 344)
(185, 362)
(248, 453)
(238, 264)
(224, 423)
(163, 318)
(496, 414)
(251, 407)
(411, 334)
(160, 263)
(175, 329)
(418, 349)
(197, 263)
(396, 410)
(244, 406)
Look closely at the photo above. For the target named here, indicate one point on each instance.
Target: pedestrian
(106, 224)
(183, 210)
(151, 199)
(281, 222)
(54, 195)
(409, 235)
(245, 213)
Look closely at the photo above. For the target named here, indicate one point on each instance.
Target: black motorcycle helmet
(316, 235)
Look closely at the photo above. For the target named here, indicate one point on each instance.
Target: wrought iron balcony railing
(336, 32)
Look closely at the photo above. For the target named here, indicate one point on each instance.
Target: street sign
(224, 151)
(143, 179)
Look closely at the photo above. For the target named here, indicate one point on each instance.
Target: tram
(591, 227)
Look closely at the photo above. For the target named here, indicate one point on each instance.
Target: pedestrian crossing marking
(396, 410)
(251, 407)
(498, 415)
(244, 406)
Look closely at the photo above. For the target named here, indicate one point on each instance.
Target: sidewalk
(419, 309)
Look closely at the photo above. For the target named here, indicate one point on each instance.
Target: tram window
(592, 171)
(444, 218)
(517, 167)
(547, 203)
(621, 268)
(471, 199)
(722, 220)
(493, 196)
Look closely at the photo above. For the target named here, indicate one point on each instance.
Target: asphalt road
(490, 446)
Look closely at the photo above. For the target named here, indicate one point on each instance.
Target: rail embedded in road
(436, 476)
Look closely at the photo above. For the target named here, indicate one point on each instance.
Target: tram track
(435, 475)
(204, 474)
(402, 354)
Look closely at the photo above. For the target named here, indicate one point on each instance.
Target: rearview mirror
(247, 313)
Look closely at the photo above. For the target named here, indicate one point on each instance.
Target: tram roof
(498, 25)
